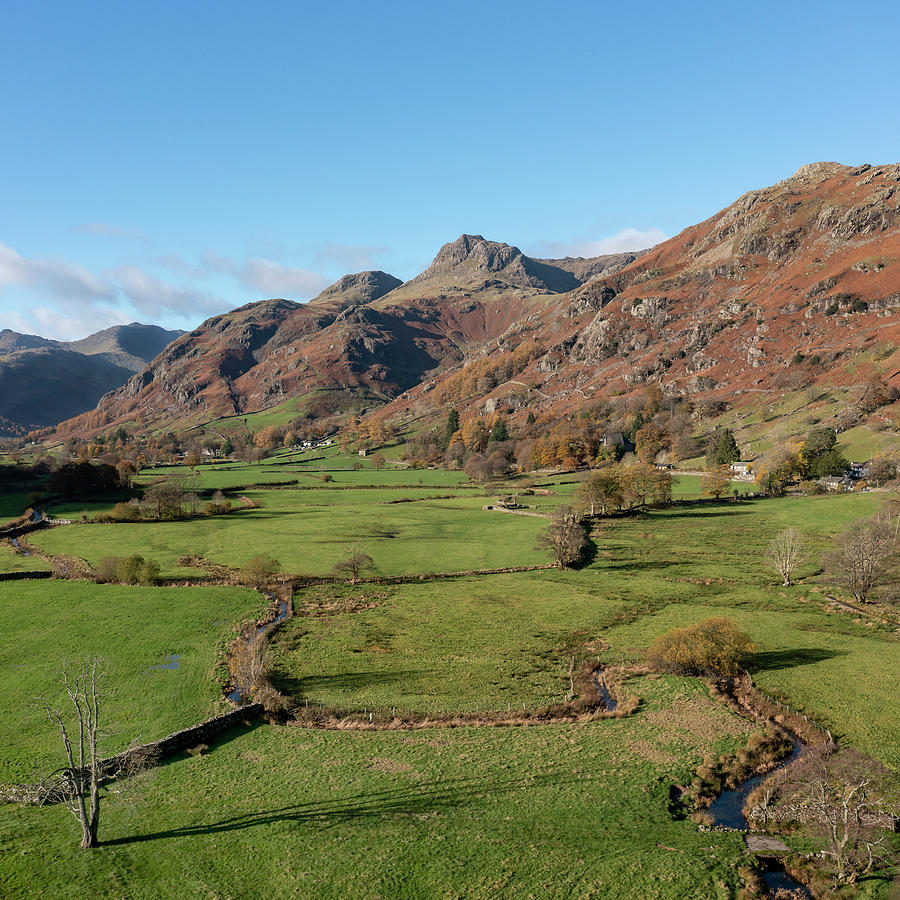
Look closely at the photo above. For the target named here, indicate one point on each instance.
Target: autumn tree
(712, 647)
(776, 470)
(165, 499)
(648, 442)
(783, 552)
(716, 482)
(564, 537)
(601, 492)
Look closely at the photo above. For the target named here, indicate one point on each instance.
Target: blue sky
(163, 162)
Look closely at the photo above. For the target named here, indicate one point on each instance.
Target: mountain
(130, 346)
(11, 341)
(43, 381)
(789, 286)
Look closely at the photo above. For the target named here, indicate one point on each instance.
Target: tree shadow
(642, 565)
(588, 554)
(301, 686)
(413, 800)
(787, 659)
(697, 512)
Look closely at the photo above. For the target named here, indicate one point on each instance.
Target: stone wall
(18, 576)
(145, 756)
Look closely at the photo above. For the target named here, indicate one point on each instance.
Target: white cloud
(625, 240)
(59, 299)
(74, 324)
(269, 278)
(152, 296)
(350, 257)
(57, 277)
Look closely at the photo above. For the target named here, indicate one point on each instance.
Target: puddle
(173, 661)
(776, 879)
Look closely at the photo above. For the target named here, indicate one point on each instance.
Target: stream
(608, 700)
(241, 694)
(727, 811)
(22, 550)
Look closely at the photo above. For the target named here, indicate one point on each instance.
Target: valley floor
(542, 810)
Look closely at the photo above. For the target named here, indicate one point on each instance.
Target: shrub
(106, 571)
(135, 569)
(711, 647)
(220, 505)
(257, 571)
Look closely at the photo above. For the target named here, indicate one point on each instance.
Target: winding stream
(241, 692)
(727, 811)
(608, 700)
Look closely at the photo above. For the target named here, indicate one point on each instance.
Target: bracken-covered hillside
(772, 293)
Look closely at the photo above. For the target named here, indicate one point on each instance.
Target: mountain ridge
(809, 265)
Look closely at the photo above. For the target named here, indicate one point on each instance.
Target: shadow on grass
(787, 659)
(348, 681)
(638, 565)
(443, 795)
(699, 512)
(588, 554)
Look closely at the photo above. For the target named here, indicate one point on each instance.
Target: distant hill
(43, 381)
(130, 346)
(788, 287)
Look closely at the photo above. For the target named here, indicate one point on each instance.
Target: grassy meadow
(47, 625)
(549, 811)
(543, 811)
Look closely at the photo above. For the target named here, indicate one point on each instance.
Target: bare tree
(78, 783)
(784, 551)
(848, 800)
(564, 537)
(354, 563)
(861, 554)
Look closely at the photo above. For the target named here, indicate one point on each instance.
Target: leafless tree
(564, 537)
(784, 551)
(354, 563)
(862, 553)
(78, 783)
(849, 800)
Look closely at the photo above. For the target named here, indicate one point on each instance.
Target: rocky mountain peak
(475, 252)
(358, 289)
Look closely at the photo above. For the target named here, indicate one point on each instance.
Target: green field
(489, 642)
(551, 812)
(10, 561)
(12, 506)
(547, 811)
(46, 625)
(307, 532)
